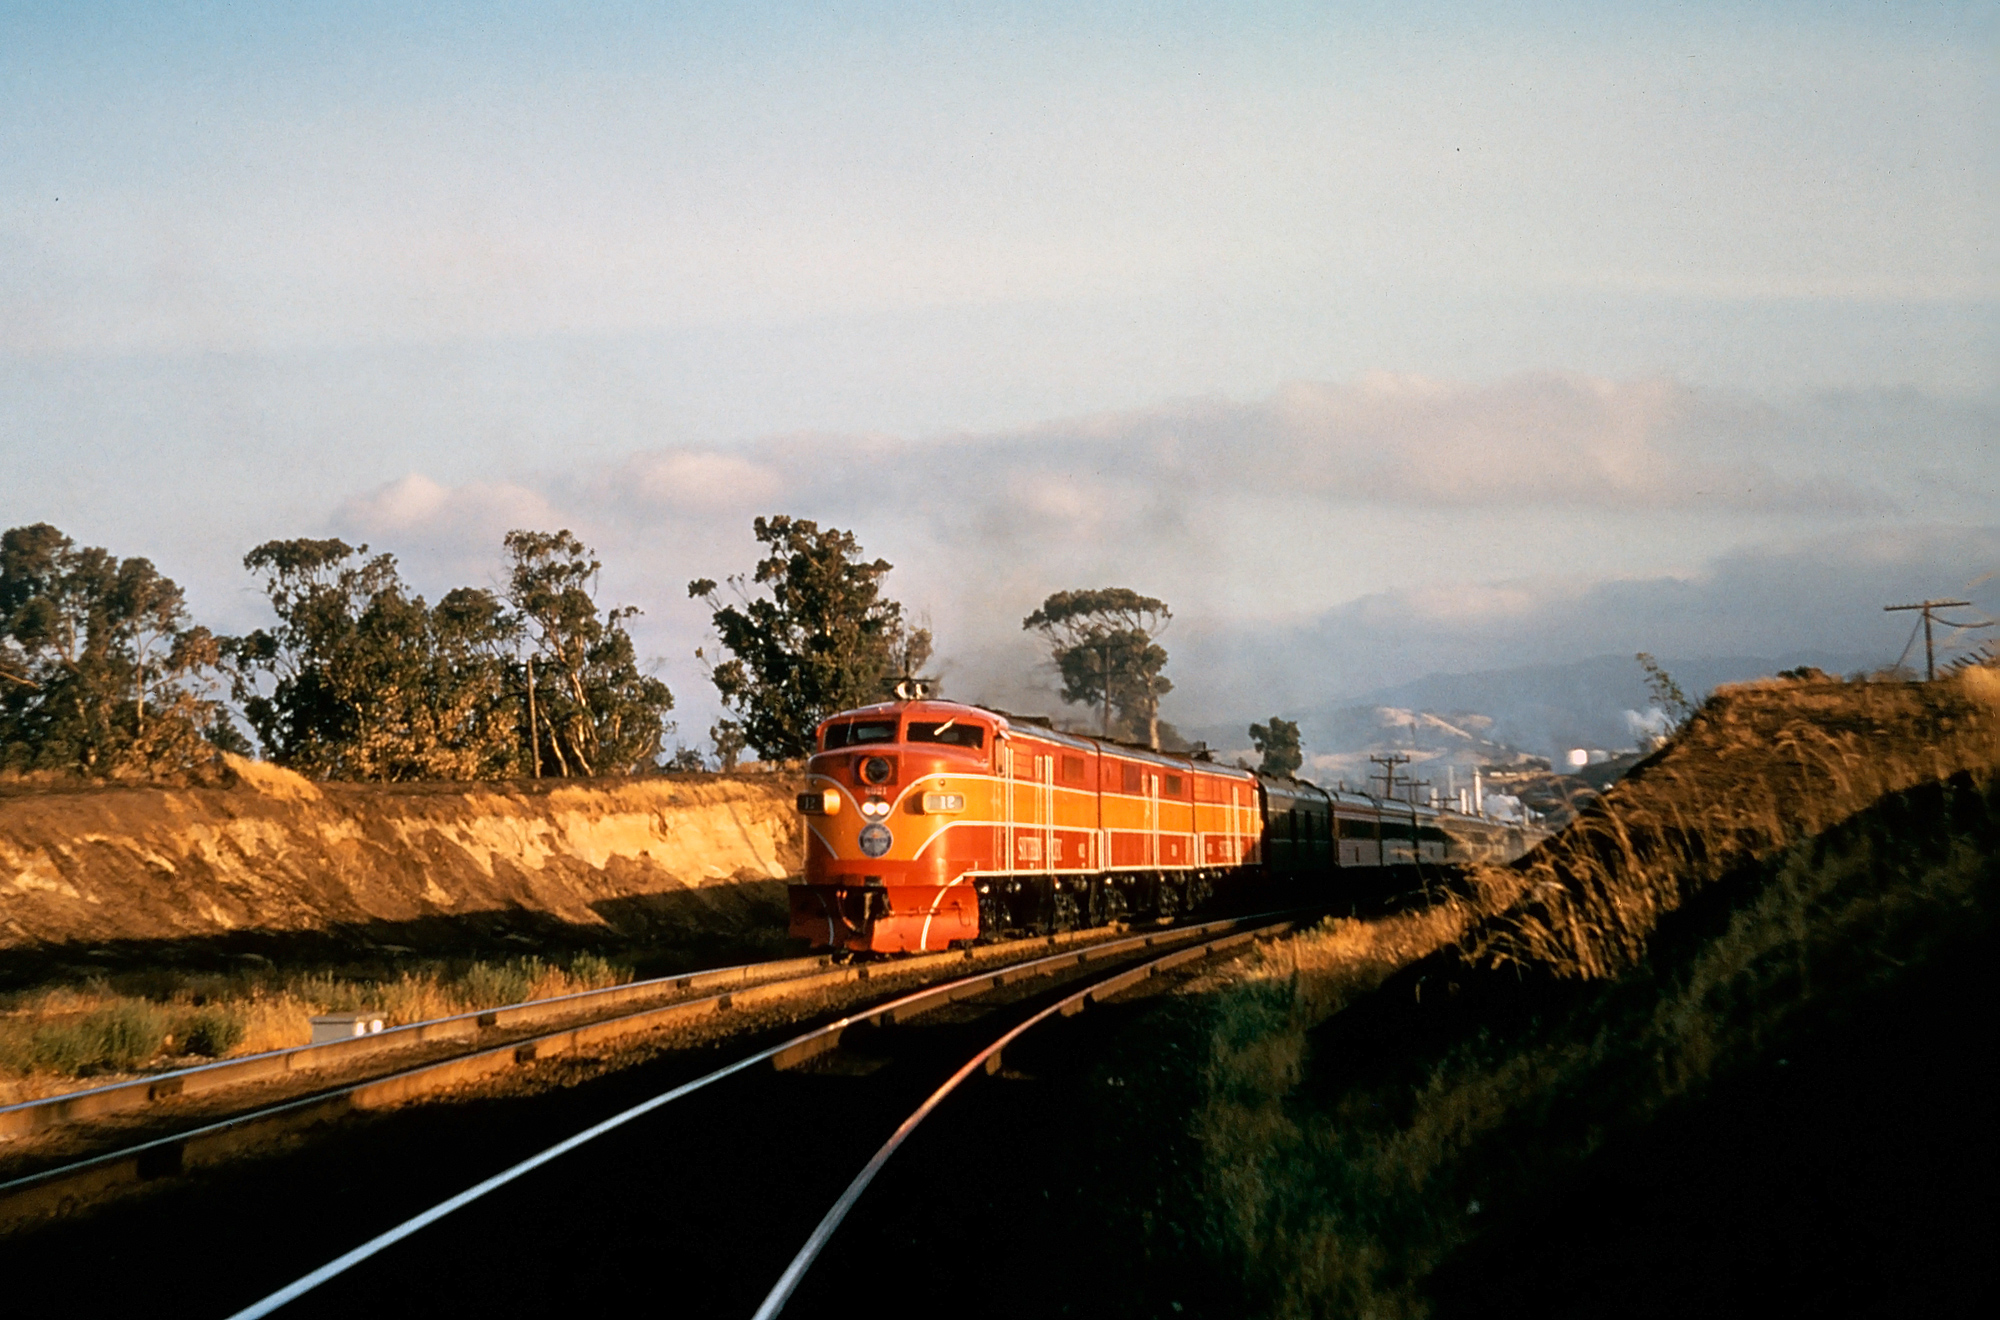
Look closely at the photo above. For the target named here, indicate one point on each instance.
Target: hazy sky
(1371, 337)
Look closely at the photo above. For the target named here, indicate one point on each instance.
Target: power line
(1908, 642)
(1389, 764)
(1930, 650)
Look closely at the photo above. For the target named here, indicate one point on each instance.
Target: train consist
(932, 823)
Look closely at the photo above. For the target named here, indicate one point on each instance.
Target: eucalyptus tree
(1278, 742)
(590, 709)
(1102, 643)
(101, 670)
(362, 679)
(809, 633)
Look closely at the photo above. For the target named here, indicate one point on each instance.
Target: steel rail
(989, 1060)
(790, 1052)
(122, 1097)
(49, 1189)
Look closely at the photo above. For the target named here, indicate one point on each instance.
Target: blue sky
(1626, 294)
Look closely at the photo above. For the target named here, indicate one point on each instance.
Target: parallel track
(81, 1181)
(139, 1093)
(798, 1052)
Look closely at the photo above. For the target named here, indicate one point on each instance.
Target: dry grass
(1335, 1187)
(1760, 767)
(57, 1039)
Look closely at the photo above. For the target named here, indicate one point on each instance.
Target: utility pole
(534, 726)
(1389, 764)
(1930, 651)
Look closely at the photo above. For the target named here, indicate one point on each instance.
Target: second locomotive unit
(933, 823)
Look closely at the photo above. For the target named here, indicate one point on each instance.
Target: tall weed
(1337, 1185)
(54, 1038)
(1759, 767)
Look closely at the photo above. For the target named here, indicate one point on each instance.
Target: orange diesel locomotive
(932, 823)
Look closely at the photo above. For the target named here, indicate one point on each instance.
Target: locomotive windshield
(949, 731)
(860, 731)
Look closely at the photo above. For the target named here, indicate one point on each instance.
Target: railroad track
(33, 1116)
(705, 1216)
(457, 1050)
(986, 1060)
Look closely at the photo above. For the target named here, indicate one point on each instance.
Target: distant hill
(1442, 751)
(1543, 710)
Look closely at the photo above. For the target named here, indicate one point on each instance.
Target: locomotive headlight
(943, 804)
(820, 803)
(875, 808)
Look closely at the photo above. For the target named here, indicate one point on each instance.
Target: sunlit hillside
(1735, 1013)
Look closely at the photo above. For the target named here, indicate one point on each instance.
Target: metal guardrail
(52, 1190)
(121, 1097)
(118, 1097)
(787, 1054)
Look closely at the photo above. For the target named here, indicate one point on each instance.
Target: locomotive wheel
(1107, 904)
(1169, 899)
(992, 916)
(1066, 912)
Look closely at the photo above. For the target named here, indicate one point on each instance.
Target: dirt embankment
(1716, 1041)
(272, 855)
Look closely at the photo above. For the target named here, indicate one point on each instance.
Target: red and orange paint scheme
(931, 823)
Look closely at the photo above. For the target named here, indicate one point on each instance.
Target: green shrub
(592, 972)
(489, 985)
(17, 1048)
(114, 1039)
(209, 1031)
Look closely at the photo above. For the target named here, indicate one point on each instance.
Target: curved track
(701, 1211)
(156, 1127)
(986, 1060)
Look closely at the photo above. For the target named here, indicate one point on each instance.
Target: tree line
(103, 672)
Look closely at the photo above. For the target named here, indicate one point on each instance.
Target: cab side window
(956, 733)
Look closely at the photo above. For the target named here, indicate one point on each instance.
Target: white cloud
(444, 536)
(1822, 595)
(696, 481)
(417, 504)
(1321, 541)
(1530, 440)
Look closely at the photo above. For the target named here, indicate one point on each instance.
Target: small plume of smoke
(1648, 726)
